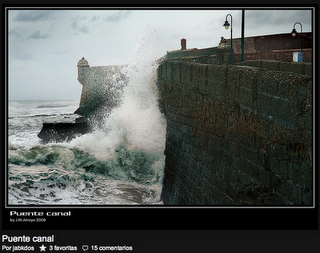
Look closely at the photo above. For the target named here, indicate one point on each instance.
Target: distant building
(279, 47)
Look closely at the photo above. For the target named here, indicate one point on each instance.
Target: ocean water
(120, 162)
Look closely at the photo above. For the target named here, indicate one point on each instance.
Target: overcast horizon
(44, 46)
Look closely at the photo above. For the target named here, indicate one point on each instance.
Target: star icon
(42, 248)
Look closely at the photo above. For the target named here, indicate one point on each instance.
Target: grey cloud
(277, 17)
(74, 25)
(33, 16)
(95, 18)
(83, 28)
(117, 16)
(79, 18)
(38, 35)
(19, 51)
(75, 22)
(16, 32)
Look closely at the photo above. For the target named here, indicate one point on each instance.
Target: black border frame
(172, 217)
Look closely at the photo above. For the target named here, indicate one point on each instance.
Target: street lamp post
(242, 36)
(227, 25)
(294, 32)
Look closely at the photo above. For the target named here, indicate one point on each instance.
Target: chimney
(183, 44)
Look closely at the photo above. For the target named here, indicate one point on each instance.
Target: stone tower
(83, 66)
(83, 72)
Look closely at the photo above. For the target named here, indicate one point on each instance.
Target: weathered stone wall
(236, 135)
(101, 89)
(303, 68)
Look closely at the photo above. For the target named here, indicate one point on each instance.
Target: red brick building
(273, 47)
(279, 47)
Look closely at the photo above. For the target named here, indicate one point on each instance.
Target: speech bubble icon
(85, 247)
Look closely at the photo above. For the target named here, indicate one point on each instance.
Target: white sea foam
(25, 119)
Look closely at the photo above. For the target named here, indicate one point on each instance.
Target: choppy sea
(118, 163)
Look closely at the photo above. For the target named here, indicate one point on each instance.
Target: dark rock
(58, 132)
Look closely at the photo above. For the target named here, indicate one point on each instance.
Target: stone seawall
(236, 135)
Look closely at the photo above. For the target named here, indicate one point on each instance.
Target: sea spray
(120, 162)
(136, 126)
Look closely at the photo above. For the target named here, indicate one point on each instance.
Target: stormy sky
(44, 46)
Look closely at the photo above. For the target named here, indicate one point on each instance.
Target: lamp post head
(294, 32)
(226, 24)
